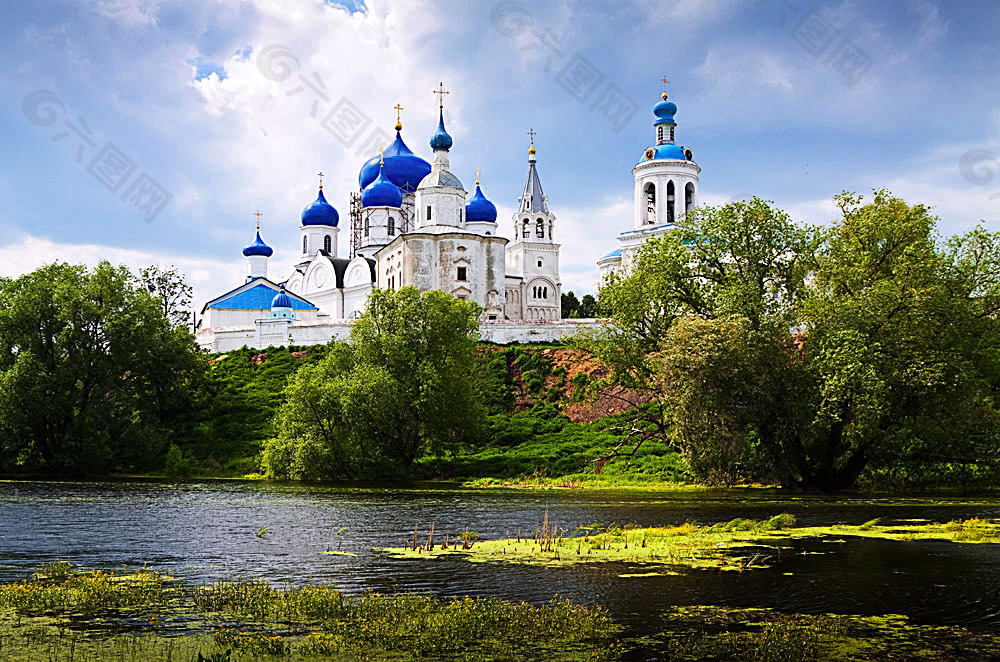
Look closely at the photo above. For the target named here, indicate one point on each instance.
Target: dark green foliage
(177, 463)
(403, 387)
(236, 404)
(495, 385)
(575, 308)
(570, 305)
(92, 372)
(581, 382)
(543, 442)
(534, 370)
(811, 356)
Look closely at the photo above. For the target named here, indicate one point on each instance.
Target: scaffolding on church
(359, 215)
(356, 211)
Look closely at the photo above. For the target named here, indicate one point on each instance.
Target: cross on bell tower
(440, 92)
(399, 125)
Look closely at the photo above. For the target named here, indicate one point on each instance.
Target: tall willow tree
(403, 386)
(810, 356)
(91, 371)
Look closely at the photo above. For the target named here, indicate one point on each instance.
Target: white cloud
(209, 278)
(131, 14)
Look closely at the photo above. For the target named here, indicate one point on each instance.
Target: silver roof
(533, 199)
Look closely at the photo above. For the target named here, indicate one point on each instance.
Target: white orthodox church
(666, 188)
(412, 223)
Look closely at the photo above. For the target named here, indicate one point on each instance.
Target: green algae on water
(736, 545)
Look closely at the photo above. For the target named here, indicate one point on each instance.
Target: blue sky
(108, 104)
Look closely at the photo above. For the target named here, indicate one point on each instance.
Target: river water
(206, 530)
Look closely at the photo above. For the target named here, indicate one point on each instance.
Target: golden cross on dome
(532, 134)
(381, 157)
(320, 174)
(258, 214)
(440, 92)
(664, 80)
(477, 176)
(398, 124)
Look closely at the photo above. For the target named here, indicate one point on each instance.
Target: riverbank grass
(737, 545)
(62, 613)
(764, 635)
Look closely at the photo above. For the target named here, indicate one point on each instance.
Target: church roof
(256, 295)
(403, 168)
(441, 139)
(441, 177)
(533, 199)
(479, 209)
(381, 192)
(340, 265)
(258, 247)
(320, 212)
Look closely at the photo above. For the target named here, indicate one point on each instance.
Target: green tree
(807, 357)
(745, 259)
(91, 371)
(570, 305)
(169, 287)
(901, 340)
(403, 387)
(588, 306)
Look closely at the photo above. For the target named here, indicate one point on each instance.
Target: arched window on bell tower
(688, 198)
(670, 201)
(327, 244)
(526, 231)
(305, 245)
(650, 190)
(540, 229)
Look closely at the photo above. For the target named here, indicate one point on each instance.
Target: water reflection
(202, 531)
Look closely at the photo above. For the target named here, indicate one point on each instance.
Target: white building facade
(665, 190)
(412, 224)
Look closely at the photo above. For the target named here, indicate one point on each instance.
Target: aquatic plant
(58, 590)
(763, 635)
(732, 545)
(253, 619)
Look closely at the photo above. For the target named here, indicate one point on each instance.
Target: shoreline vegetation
(742, 348)
(66, 613)
(70, 613)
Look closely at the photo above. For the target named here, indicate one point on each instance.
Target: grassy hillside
(546, 420)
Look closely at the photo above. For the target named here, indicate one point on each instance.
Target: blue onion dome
(381, 193)
(258, 247)
(320, 212)
(665, 151)
(281, 300)
(403, 168)
(664, 110)
(479, 209)
(441, 139)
